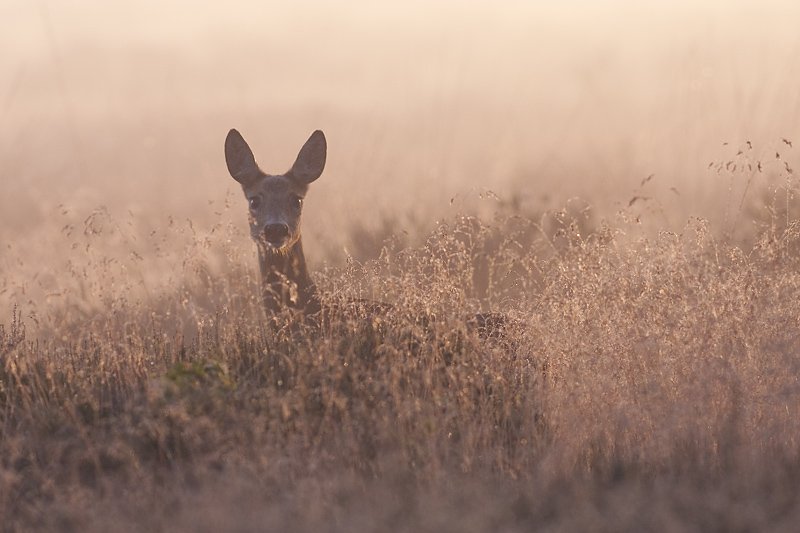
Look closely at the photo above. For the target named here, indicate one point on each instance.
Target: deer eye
(255, 202)
(297, 202)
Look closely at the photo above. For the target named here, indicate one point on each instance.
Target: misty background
(430, 108)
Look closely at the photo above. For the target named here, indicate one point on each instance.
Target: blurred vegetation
(652, 381)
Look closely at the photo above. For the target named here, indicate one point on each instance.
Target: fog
(426, 106)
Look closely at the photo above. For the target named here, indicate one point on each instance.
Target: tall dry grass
(651, 383)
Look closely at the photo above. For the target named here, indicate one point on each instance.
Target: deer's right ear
(239, 157)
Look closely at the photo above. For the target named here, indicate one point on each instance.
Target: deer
(275, 205)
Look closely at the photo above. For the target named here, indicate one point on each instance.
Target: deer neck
(285, 281)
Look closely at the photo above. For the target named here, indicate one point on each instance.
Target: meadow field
(619, 180)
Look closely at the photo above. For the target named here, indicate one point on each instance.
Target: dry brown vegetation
(653, 384)
(650, 381)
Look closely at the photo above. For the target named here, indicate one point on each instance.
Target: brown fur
(276, 201)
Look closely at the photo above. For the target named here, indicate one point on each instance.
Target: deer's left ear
(311, 160)
(241, 163)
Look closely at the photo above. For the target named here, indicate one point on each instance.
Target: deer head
(275, 200)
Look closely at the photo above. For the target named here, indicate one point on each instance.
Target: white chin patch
(274, 247)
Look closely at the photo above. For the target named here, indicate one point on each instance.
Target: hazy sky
(113, 103)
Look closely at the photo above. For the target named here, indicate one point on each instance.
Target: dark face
(275, 201)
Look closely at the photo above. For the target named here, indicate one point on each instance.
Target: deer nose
(276, 233)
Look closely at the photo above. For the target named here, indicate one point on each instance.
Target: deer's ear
(311, 160)
(239, 157)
